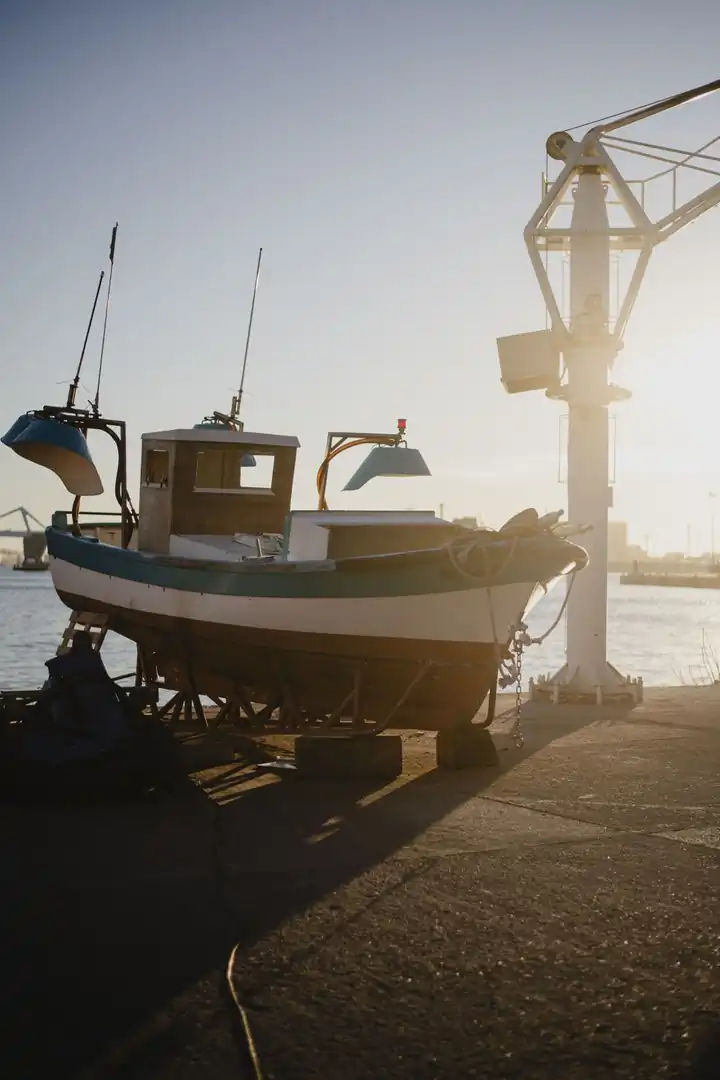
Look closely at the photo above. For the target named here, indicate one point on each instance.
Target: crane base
(613, 689)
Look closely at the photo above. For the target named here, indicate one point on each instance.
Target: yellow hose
(322, 471)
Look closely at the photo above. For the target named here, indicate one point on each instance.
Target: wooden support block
(467, 747)
(376, 757)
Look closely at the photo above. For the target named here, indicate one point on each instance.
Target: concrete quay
(556, 916)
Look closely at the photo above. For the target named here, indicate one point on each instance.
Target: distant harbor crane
(34, 545)
(27, 518)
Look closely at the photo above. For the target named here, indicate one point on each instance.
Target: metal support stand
(185, 703)
(285, 713)
(282, 713)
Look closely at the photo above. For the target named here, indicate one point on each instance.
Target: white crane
(589, 341)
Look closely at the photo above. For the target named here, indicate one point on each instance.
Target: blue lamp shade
(248, 461)
(388, 461)
(59, 447)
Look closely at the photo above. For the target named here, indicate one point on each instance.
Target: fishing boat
(367, 617)
(307, 618)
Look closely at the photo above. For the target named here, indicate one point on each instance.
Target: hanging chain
(510, 667)
(509, 670)
(520, 637)
(511, 675)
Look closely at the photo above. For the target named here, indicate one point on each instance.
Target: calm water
(656, 633)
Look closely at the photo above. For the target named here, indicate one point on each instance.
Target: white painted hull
(472, 616)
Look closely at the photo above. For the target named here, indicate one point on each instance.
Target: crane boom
(26, 516)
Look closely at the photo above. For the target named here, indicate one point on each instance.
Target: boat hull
(355, 645)
(447, 679)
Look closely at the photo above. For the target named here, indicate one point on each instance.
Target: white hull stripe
(472, 615)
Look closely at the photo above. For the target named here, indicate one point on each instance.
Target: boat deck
(553, 917)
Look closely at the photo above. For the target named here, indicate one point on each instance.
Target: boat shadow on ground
(119, 919)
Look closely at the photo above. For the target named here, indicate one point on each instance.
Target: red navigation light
(402, 424)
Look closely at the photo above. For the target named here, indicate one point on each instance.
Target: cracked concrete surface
(554, 917)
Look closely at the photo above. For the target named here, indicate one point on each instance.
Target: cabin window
(224, 471)
(157, 468)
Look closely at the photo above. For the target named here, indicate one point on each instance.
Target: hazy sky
(387, 155)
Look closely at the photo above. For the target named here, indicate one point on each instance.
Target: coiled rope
(459, 549)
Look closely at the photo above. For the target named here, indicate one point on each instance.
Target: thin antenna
(76, 381)
(237, 401)
(96, 402)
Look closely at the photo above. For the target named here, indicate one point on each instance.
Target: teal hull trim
(536, 559)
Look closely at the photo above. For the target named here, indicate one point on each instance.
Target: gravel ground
(556, 917)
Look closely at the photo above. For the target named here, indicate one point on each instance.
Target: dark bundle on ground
(85, 738)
